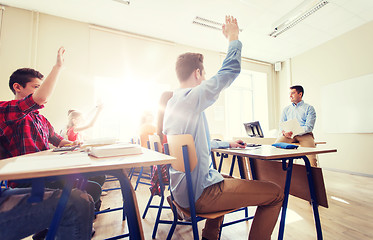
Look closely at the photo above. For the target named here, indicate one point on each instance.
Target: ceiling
(172, 20)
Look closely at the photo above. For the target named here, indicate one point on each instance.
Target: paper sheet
(45, 162)
(293, 126)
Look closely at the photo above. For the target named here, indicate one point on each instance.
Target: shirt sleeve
(18, 109)
(310, 119)
(219, 144)
(54, 138)
(15, 110)
(205, 94)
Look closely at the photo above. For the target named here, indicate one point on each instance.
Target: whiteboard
(347, 106)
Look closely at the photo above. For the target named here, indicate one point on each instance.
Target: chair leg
(174, 223)
(147, 206)
(195, 228)
(131, 173)
(139, 177)
(158, 217)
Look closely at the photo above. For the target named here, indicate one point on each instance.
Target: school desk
(285, 158)
(16, 169)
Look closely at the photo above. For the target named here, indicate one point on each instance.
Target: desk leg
(213, 160)
(315, 204)
(221, 162)
(241, 167)
(60, 208)
(288, 170)
(232, 165)
(130, 204)
(252, 169)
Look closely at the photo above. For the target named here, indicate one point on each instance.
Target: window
(246, 100)
(124, 102)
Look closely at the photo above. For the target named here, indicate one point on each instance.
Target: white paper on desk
(293, 126)
(45, 162)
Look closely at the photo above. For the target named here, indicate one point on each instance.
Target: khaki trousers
(306, 140)
(235, 193)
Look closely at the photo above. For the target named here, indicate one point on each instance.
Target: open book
(118, 149)
(293, 126)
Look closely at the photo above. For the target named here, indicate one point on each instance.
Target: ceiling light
(204, 22)
(127, 2)
(297, 15)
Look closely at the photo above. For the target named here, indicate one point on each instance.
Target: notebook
(112, 150)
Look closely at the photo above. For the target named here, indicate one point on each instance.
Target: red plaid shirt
(23, 130)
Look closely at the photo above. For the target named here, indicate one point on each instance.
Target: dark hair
(298, 88)
(187, 63)
(22, 76)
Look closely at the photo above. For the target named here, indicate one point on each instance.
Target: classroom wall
(345, 57)
(31, 39)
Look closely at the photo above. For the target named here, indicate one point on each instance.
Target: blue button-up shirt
(303, 112)
(184, 114)
(219, 144)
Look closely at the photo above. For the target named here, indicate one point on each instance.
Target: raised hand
(60, 58)
(230, 28)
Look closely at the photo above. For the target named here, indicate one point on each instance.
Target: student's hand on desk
(230, 28)
(67, 143)
(237, 144)
(287, 134)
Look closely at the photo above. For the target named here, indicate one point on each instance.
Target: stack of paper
(113, 150)
(98, 142)
(292, 126)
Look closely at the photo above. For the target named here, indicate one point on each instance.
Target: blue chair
(155, 144)
(183, 149)
(111, 179)
(141, 174)
(4, 184)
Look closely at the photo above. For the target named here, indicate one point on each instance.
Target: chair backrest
(155, 143)
(175, 144)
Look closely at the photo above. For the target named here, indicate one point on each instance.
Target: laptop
(253, 129)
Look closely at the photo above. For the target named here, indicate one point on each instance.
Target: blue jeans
(19, 219)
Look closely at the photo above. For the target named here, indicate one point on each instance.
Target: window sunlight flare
(124, 102)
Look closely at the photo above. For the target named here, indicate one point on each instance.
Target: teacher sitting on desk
(305, 114)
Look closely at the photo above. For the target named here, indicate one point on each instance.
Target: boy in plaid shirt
(23, 130)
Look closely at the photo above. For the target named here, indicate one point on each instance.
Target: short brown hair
(22, 76)
(298, 88)
(187, 63)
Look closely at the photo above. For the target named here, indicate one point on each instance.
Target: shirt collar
(299, 104)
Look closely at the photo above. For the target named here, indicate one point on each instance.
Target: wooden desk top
(268, 152)
(266, 141)
(148, 158)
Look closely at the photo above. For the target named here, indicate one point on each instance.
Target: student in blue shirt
(184, 114)
(305, 115)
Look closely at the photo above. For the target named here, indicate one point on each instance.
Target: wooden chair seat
(212, 215)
